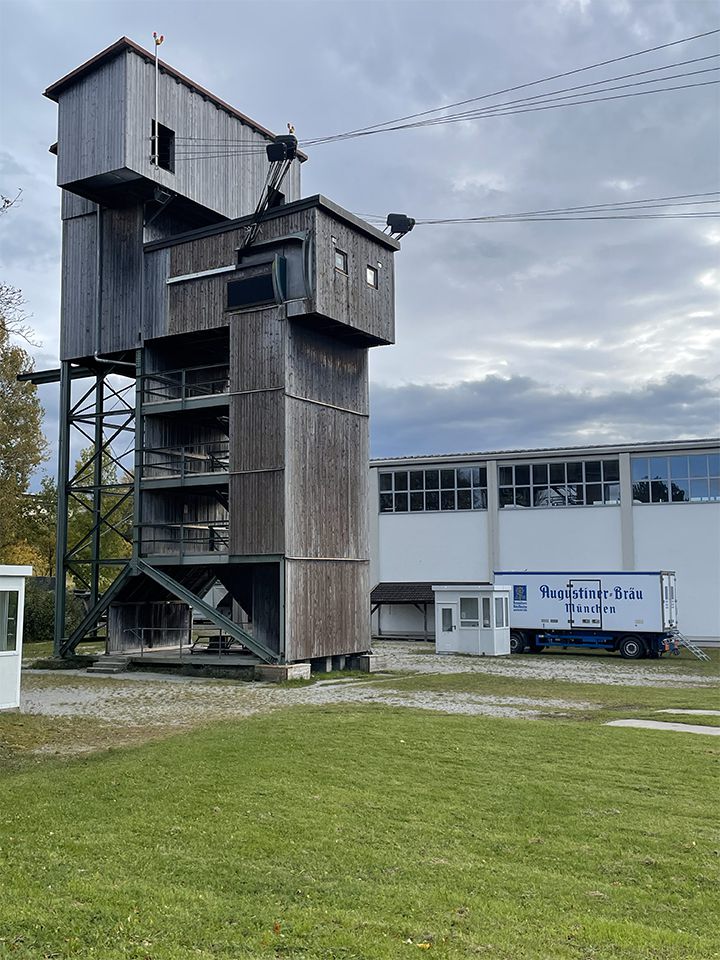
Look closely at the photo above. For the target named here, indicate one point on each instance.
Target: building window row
(415, 491)
(559, 484)
(663, 479)
(677, 479)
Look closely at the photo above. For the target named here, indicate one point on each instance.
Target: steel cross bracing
(95, 501)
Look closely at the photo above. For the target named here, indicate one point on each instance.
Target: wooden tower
(227, 341)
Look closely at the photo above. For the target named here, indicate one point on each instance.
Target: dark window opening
(164, 147)
(250, 291)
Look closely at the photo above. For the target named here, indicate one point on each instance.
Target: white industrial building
(459, 518)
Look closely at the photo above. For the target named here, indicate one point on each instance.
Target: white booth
(472, 619)
(12, 604)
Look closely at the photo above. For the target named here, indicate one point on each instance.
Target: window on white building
(568, 483)
(447, 488)
(469, 612)
(676, 479)
(501, 612)
(486, 611)
(8, 620)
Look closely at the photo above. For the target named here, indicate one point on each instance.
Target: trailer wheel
(517, 642)
(632, 648)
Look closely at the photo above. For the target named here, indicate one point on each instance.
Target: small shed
(472, 619)
(12, 603)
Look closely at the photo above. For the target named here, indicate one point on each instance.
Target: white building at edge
(458, 518)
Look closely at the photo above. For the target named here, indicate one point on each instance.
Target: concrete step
(109, 665)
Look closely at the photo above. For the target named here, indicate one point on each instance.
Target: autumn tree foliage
(22, 444)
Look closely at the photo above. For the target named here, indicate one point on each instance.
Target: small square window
(371, 276)
(163, 147)
(341, 261)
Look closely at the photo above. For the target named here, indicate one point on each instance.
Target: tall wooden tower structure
(227, 341)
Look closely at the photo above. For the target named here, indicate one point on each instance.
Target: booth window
(8, 620)
(570, 483)
(501, 612)
(679, 479)
(486, 612)
(417, 491)
(469, 612)
(341, 261)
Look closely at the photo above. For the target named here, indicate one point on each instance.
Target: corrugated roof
(535, 452)
(415, 592)
(124, 44)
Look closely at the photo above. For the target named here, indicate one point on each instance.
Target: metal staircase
(690, 645)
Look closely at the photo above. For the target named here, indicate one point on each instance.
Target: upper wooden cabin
(106, 114)
(211, 168)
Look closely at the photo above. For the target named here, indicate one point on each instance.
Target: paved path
(664, 725)
(693, 713)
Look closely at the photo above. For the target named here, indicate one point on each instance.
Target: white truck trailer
(633, 613)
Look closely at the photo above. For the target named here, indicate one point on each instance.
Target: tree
(39, 526)
(22, 444)
(115, 533)
(13, 318)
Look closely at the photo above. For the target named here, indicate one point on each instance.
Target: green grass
(44, 650)
(363, 833)
(607, 701)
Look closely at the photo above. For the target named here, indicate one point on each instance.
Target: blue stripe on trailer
(578, 574)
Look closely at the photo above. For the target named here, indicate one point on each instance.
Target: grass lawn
(597, 702)
(366, 832)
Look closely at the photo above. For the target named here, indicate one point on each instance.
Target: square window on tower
(341, 261)
(163, 147)
(371, 276)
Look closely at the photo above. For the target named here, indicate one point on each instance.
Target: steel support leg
(62, 506)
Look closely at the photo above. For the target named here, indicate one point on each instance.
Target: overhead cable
(376, 127)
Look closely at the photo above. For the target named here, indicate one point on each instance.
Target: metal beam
(213, 615)
(62, 513)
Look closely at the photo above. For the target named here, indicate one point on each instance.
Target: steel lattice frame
(103, 419)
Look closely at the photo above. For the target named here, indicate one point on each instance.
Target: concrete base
(368, 663)
(278, 672)
(322, 665)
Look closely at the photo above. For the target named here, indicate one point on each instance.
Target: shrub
(40, 615)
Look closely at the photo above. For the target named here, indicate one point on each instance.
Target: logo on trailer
(519, 596)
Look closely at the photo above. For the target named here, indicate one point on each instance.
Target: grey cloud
(526, 299)
(520, 412)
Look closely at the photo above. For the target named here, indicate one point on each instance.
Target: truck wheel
(632, 648)
(517, 642)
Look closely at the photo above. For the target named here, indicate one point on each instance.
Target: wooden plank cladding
(327, 608)
(347, 297)
(325, 369)
(257, 514)
(257, 431)
(327, 503)
(257, 350)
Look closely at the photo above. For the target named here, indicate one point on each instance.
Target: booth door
(445, 626)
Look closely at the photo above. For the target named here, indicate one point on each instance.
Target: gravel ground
(575, 668)
(161, 699)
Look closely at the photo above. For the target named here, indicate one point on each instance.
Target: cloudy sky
(508, 335)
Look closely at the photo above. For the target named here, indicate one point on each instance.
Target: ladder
(694, 649)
